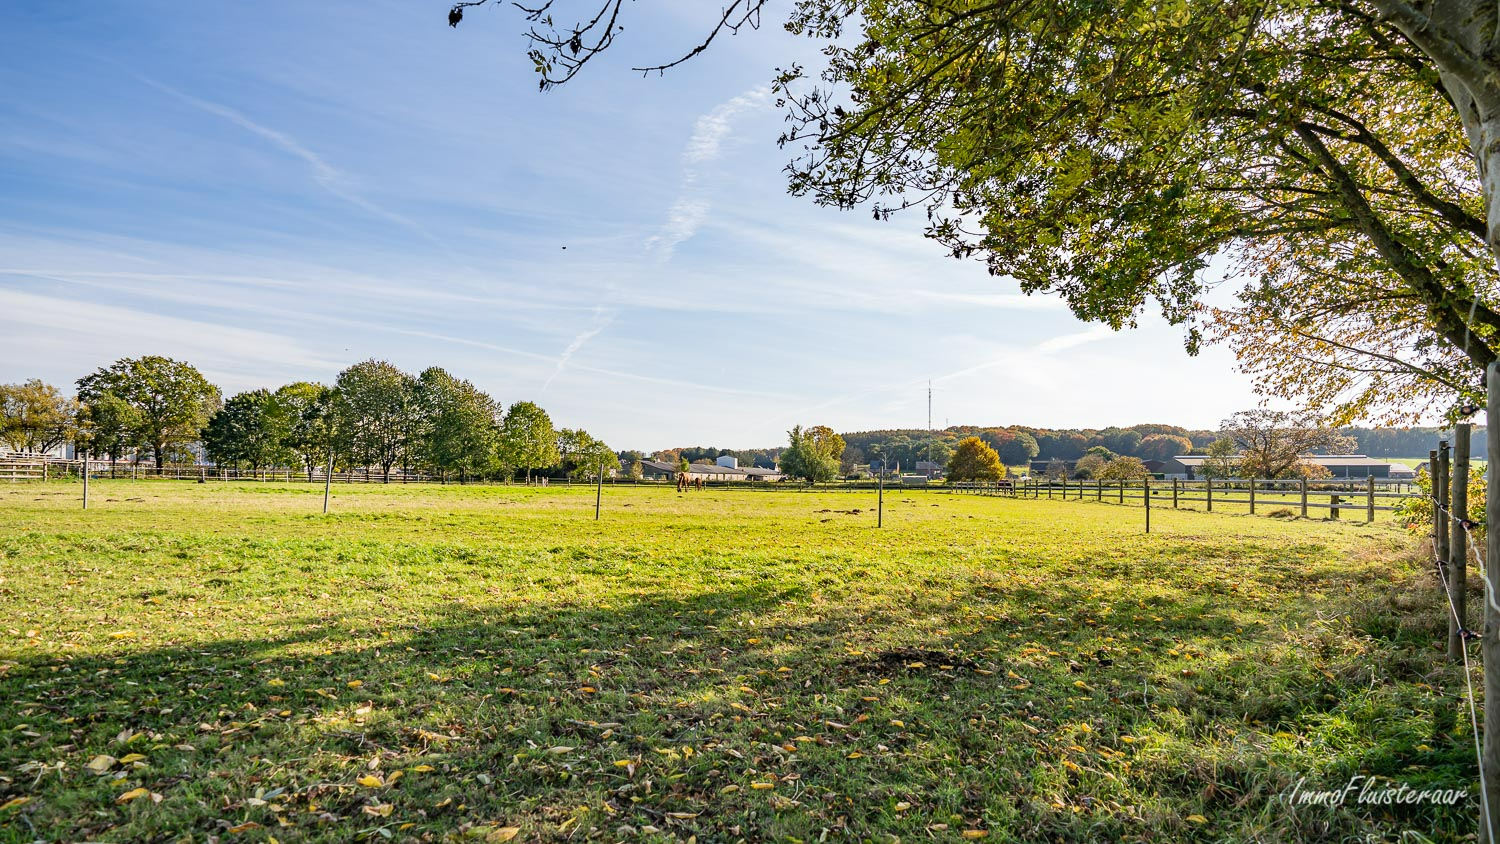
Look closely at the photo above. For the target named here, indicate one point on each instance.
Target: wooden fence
(1335, 496)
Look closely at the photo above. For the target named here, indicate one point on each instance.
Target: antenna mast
(929, 405)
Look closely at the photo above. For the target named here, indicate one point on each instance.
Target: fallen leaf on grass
(15, 803)
(132, 794)
(131, 757)
(503, 833)
(975, 833)
(1197, 819)
(101, 763)
(381, 811)
(370, 781)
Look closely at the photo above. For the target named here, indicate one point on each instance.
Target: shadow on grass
(662, 718)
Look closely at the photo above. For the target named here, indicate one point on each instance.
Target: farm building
(656, 470)
(1188, 466)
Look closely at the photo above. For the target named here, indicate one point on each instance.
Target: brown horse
(682, 481)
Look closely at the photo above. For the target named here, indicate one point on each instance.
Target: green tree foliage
(631, 462)
(1416, 513)
(1123, 469)
(1163, 447)
(1089, 466)
(1343, 157)
(36, 416)
(1121, 440)
(251, 429)
(311, 413)
(812, 455)
(583, 455)
(461, 424)
(377, 415)
(974, 460)
(527, 439)
(172, 400)
(107, 424)
(1271, 442)
(1223, 459)
(1016, 448)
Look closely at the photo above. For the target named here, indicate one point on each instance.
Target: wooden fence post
(327, 481)
(1370, 497)
(85, 480)
(1489, 764)
(1210, 495)
(1100, 485)
(1174, 493)
(1303, 487)
(1252, 496)
(1439, 509)
(1458, 549)
(1146, 495)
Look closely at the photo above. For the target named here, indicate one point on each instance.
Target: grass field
(189, 661)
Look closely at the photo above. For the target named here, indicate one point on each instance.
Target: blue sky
(275, 190)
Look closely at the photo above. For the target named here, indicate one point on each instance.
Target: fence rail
(28, 469)
(1341, 494)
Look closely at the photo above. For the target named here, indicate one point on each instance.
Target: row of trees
(1019, 444)
(1250, 444)
(374, 416)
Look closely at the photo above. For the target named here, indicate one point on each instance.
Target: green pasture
(186, 662)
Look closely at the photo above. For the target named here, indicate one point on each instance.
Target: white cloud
(79, 335)
(324, 174)
(602, 319)
(690, 210)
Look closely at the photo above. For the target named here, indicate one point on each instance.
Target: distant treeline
(1019, 444)
(373, 416)
(1411, 442)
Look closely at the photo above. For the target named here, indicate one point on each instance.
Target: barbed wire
(1465, 636)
